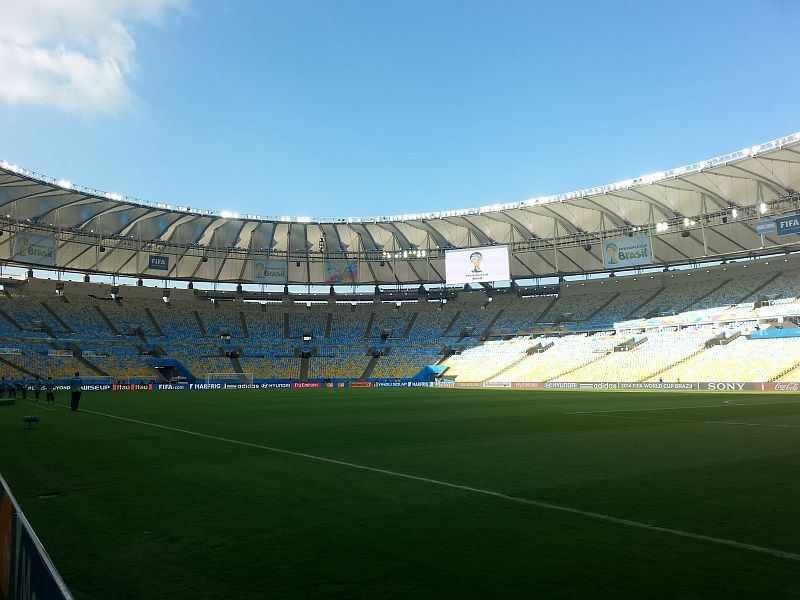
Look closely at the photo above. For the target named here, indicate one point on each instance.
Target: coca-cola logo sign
(783, 387)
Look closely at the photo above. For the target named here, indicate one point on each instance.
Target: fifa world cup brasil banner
(623, 252)
(34, 249)
(341, 271)
(477, 265)
(270, 270)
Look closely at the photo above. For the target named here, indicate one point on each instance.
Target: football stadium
(580, 394)
(567, 394)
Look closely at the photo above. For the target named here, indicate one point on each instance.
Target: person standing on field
(49, 386)
(75, 388)
(37, 388)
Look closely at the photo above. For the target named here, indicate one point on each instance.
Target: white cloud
(74, 55)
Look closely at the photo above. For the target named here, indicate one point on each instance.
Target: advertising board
(158, 263)
(270, 270)
(34, 249)
(788, 224)
(340, 271)
(624, 252)
(26, 571)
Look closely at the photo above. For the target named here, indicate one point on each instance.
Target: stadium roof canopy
(705, 210)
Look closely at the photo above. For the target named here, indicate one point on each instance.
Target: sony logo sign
(723, 386)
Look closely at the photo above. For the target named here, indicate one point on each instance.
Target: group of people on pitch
(21, 386)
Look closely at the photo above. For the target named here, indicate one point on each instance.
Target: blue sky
(369, 108)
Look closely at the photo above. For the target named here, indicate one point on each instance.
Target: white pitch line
(596, 412)
(465, 488)
(668, 420)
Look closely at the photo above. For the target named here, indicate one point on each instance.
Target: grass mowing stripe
(668, 420)
(546, 505)
(598, 412)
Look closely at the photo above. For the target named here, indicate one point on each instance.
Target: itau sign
(623, 252)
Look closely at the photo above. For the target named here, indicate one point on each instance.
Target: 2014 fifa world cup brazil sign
(34, 249)
(623, 252)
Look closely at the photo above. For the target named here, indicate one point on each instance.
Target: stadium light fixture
(685, 222)
(734, 213)
(762, 208)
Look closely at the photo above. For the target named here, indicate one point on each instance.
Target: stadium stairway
(410, 326)
(639, 307)
(601, 356)
(11, 320)
(784, 372)
(446, 353)
(452, 322)
(328, 326)
(287, 326)
(675, 364)
(91, 366)
(20, 368)
(107, 321)
(245, 328)
(370, 367)
(488, 330)
(305, 364)
(753, 295)
(497, 374)
(237, 366)
(600, 308)
(547, 309)
(200, 325)
(704, 296)
(154, 322)
(57, 319)
(370, 325)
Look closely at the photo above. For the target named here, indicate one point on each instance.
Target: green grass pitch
(130, 510)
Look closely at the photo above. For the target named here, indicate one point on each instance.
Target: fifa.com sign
(620, 253)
